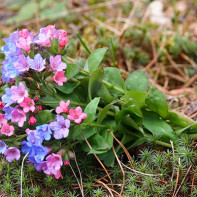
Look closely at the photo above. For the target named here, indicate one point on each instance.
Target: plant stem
(193, 136)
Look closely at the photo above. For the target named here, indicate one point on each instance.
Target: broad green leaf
(108, 158)
(90, 110)
(103, 113)
(113, 76)
(156, 102)
(104, 94)
(87, 131)
(67, 88)
(71, 70)
(50, 101)
(95, 59)
(137, 97)
(98, 144)
(45, 116)
(137, 81)
(158, 127)
(179, 119)
(95, 82)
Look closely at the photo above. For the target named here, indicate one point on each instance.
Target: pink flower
(32, 120)
(76, 115)
(63, 108)
(36, 98)
(39, 108)
(12, 153)
(66, 163)
(7, 130)
(28, 105)
(2, 104)
(50, 31)
(54, 161)
(18, 116)
(49, 171)
(24, 43)
(43, 40)
(24, 33)
(18, 93)
(56, 63)
(2, 120)
(63, 40)
(59, 78)
(62, 32)
(1, 82)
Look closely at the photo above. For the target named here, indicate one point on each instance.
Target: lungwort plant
(50, 103)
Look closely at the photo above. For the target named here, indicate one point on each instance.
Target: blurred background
(157, 36)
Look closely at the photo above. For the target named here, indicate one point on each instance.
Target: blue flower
(36, 153)
(44, 131)
(3, 146)
(8, 112)
(6, 98)
(34, 138)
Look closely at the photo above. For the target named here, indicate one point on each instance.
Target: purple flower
(12, 153)
(8, 112)
(57, 64)
(44, 131)
(54, 161)
(38, 63)
(6, 98)
(19, 93)
(3, 147)
(52, 166)
(60, 127)
(21, 65)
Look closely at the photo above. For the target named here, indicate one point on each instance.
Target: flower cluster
(30, 64)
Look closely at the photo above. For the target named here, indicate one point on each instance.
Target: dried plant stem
(97, 158)
(22, 173)
(140, 172)
(79, 173)
(183, 180)
(123, 172)
(80, 186)
(127, 153)
(173, 159)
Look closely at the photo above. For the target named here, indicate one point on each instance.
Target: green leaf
(156, 102)
(158, 127)
(90, 110)
(108, 158)
(71, 70)
(83, 43)
(98, 144)
(103, 113)
(137, 97)
(95, 82)
(67, 88)
(95, 59)
(137, 81)
(45, 116)
(87, 131)
(50, 101)
(104, 94)
(113, 76)
(179, 119)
